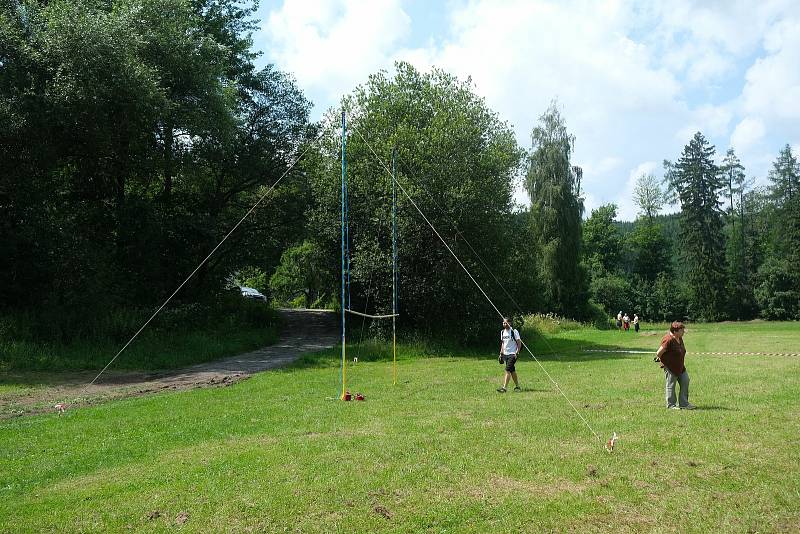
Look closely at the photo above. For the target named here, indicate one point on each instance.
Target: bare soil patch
(303, 331)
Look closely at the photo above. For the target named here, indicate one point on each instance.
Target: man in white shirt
(510, 343)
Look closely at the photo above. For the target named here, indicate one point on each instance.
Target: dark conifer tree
(740, 291)
(696, 181)
(778, 290)
(785, 192)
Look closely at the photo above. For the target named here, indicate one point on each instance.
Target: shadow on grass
(553, 350)
(76, 378)
(150, 358)
(523, 390)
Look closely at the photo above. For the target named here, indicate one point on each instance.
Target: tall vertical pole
(347, 233)
(344, 203)
(394, 266)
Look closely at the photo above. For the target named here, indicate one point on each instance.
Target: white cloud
(714, 119)
(331, 46)
(627, 207)
(709, 119)
(634, 80)
(747, 133)
(691, 33)
(603, 166)
(685, 133)
(711, 65)
(522, 54)
(590, 202)
(772, 87)
(647, 167)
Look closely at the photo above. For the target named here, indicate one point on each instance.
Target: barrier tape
(704, 353)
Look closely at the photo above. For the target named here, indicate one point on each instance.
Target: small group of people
(671, 356)
(624, 322)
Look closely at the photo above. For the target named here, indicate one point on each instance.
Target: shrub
(778, 290)
(550, 323)
(251, 277)
(301, 277)
(612, 293)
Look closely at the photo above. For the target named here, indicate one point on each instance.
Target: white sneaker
(673, 407)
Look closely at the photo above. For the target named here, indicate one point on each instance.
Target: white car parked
(250, 293)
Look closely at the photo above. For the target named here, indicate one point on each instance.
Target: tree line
(730, 252)
(135, 133)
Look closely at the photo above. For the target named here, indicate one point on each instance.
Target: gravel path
(303, 331)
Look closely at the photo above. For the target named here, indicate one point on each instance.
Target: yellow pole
(344, 366)
(394, 354)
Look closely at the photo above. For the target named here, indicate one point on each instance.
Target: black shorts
(510, 360)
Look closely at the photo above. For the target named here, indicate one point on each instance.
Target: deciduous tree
(554, 187)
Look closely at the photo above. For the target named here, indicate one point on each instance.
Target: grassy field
(440, 451)
(179, 337)
(171, 351)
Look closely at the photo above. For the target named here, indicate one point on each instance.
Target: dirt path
(303, 331)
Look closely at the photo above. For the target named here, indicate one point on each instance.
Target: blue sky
(634, 80)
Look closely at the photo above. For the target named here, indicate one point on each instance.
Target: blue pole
(394, 266)
(344, 204)
(347, 232)
(395, 279)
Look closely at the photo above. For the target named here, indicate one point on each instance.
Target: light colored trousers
(683, 380)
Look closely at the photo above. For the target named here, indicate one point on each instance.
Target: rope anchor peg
(610, 443)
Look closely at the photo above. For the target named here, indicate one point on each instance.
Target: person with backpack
(510, 343)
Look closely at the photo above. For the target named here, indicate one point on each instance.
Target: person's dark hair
(507, 320)
(675, 326)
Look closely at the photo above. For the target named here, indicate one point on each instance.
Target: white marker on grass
(610, 443)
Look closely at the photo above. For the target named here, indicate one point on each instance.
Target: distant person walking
(510, 343)
(636, 323)
(619, 320)
(672, 354)
(626, 322)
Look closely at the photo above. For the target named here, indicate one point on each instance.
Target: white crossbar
(373, 316)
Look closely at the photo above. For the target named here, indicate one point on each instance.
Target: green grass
(178, 337)
(152, 351)
(440, 451)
